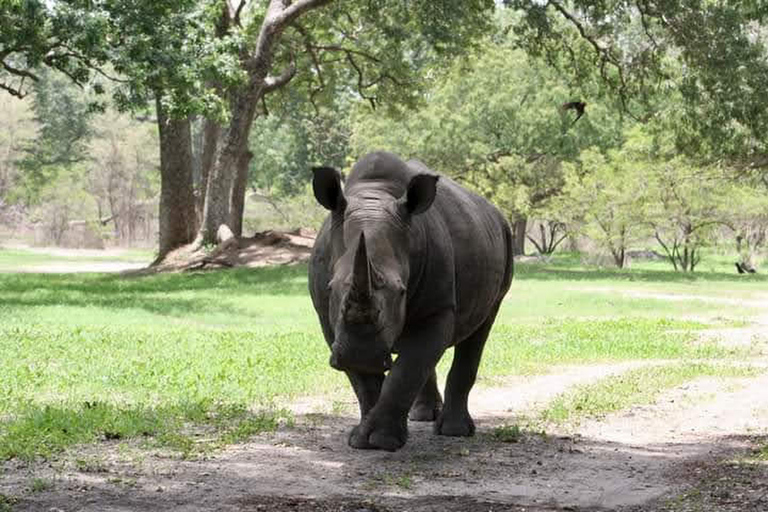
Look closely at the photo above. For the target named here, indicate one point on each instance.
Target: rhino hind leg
(428, 403)
(455, 419)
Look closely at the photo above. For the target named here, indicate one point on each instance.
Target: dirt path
(77, 268)
(635, 460)
(630, 459)
(93, 260)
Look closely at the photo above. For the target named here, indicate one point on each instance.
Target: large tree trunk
(178, 222)
(243, 102)
(237, 201)
(211, 134)
(222, 177)
(518, 229)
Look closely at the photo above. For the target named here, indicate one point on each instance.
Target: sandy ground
(648, 458)
(66, 267)
(632, 460)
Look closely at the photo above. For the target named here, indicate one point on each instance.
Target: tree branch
(236, 17)
(13, 91)
(275, 82)
(604, 54)
(290, 12)
(19, 72)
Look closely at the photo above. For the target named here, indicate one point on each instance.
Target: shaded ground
(634, 460)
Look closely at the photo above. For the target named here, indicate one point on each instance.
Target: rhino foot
(455, 425)
(424, 412)
(379, 438)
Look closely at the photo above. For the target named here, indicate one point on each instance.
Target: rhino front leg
(455, 419)
(386, 425)
(367, 388)
(428, 402)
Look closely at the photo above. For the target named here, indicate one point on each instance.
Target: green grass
(635, 387)
(507, 433)
(40, 485)
(7, 502)
(194, 361)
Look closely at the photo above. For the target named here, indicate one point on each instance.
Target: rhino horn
(361, 272)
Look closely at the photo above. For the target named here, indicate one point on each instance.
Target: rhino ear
(420, 194)
(326, 184)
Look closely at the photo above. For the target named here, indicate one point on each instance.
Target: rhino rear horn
(361, 272)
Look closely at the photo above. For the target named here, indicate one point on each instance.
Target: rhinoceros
(408, 262)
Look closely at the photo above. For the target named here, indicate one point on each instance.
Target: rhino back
(469, 244)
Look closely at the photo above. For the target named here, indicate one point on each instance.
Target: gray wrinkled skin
(407, 263)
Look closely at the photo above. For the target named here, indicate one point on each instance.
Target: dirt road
(634, 460)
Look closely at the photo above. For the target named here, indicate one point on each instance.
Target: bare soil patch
(263, 249)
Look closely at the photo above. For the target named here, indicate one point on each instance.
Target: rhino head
(371, 266)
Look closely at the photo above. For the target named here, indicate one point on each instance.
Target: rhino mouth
(378, 361)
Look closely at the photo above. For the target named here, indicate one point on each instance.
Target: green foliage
(602, 193)
(508, 433)
(711, 54)
(62, 114)
(385, 51)
(688, 204)
(169, 49)
(494, 121)
(57, 35)
(645, 189)
(17, 126)
(295, 138)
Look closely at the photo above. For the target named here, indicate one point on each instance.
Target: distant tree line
(247, 96)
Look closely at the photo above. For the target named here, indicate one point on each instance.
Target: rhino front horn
(361, 272)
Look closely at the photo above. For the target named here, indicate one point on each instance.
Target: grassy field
(173, 359)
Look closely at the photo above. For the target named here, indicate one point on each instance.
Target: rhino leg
(455, 419)
(429, 402)
(367, 388)
(386, 425)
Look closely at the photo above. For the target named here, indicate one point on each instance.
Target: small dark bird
(578, 106)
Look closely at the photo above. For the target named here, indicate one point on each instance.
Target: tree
(296, 136)
(688, 205)
(606, 196)
(222, 59)
(374, 47)
(167, 57)
(154, 50)
(57, 35)
(121, 177)
(16, 127)
(748, 219)
(62, 114)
